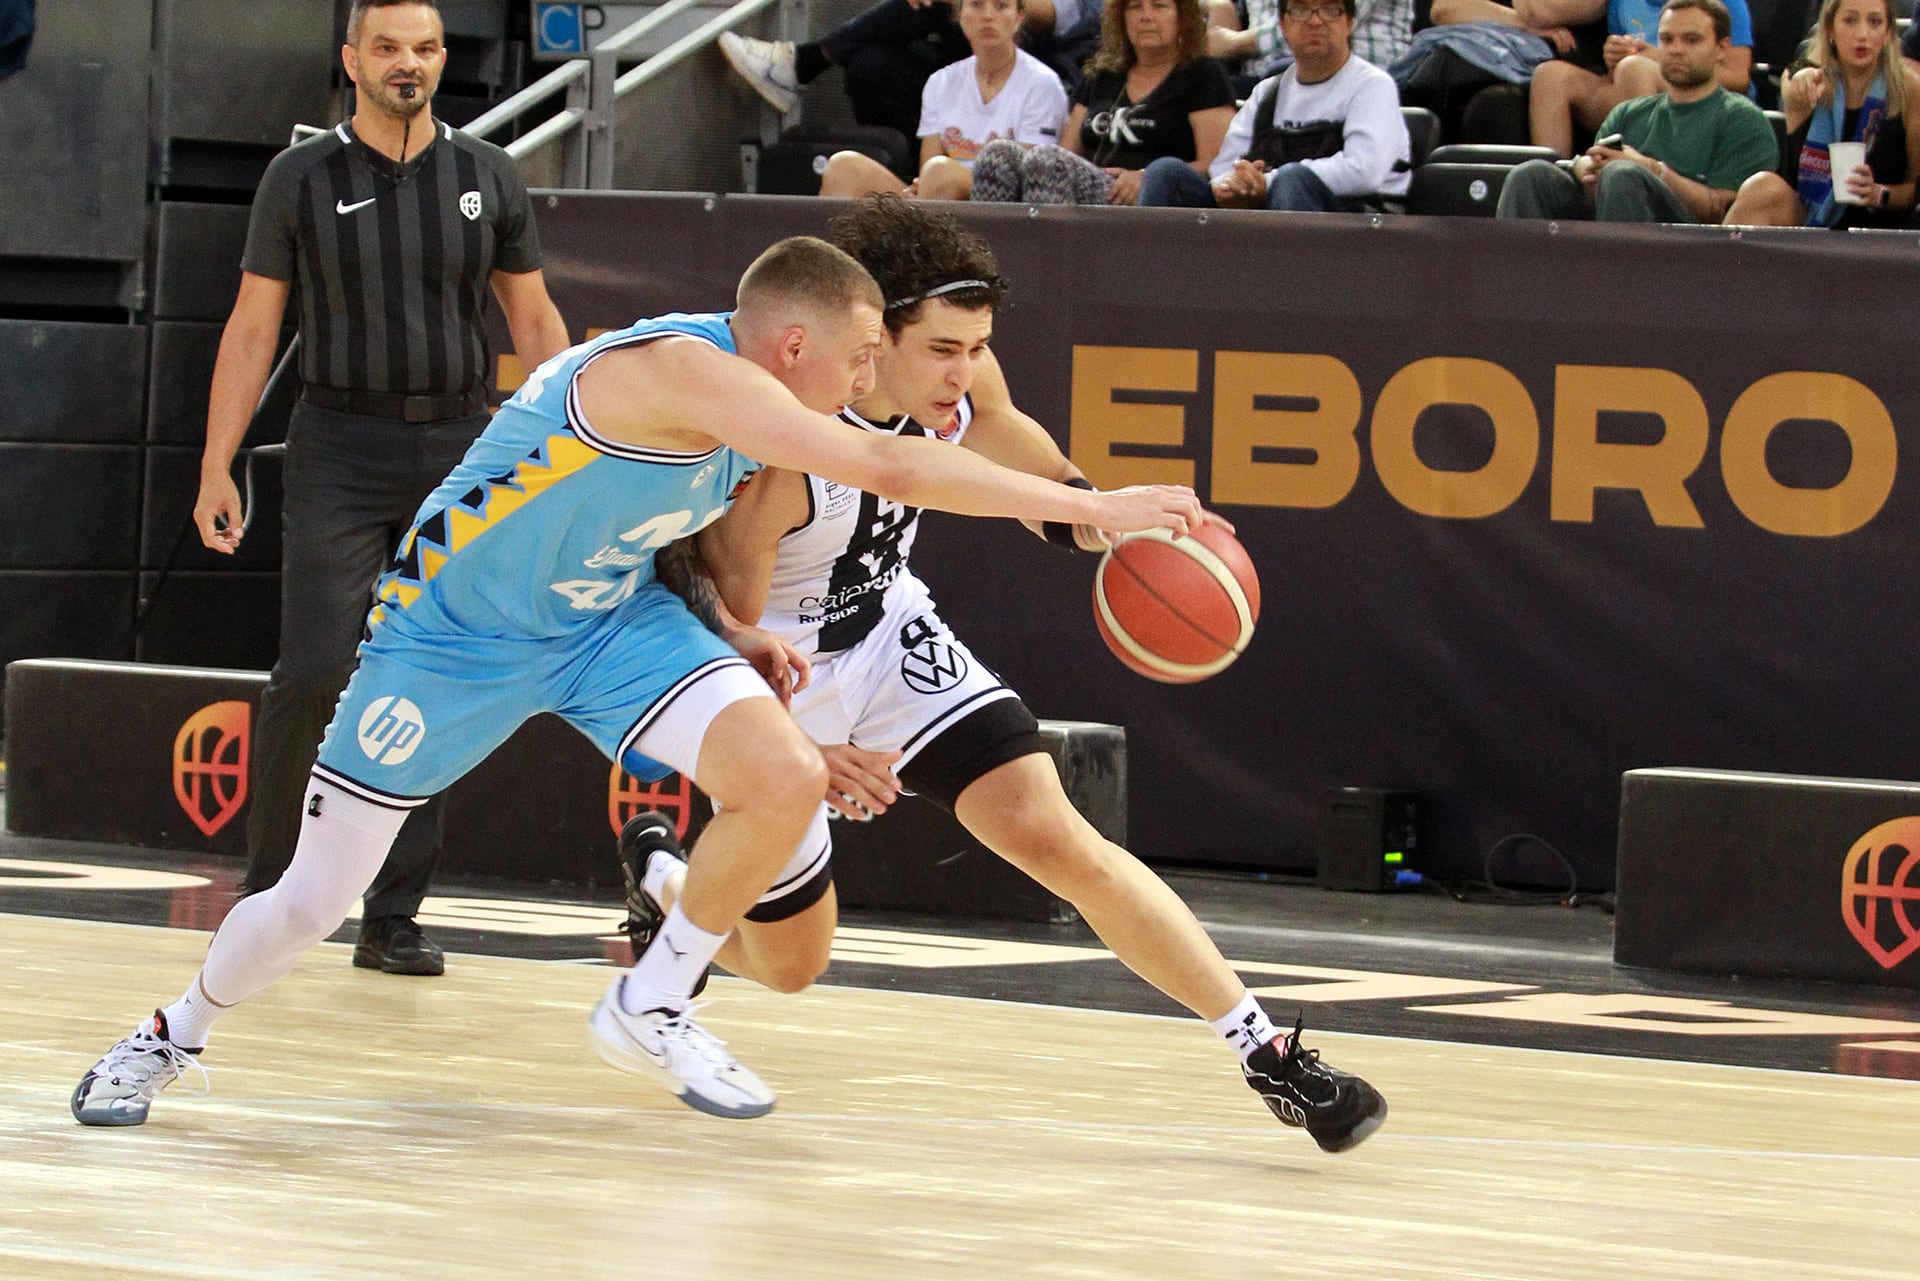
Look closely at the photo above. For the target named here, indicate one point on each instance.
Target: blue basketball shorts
(428, 704)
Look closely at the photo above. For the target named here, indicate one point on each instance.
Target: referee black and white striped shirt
(392, 261)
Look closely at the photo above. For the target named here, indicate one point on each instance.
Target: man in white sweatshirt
(1325, 134)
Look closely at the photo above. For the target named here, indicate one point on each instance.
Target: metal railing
(593, 84)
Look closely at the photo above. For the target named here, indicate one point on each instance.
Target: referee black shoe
(396, 945)
(643, 836)
(1337, 1109)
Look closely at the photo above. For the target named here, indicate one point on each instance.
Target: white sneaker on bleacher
(767, 65)
(671, 1048)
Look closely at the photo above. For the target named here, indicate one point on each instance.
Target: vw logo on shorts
(390, 730)
(932, 666)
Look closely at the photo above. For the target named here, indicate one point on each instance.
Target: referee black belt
(420, 407)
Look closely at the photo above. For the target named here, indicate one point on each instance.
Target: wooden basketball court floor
(365, 1126)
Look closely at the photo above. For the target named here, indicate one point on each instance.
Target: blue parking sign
(557, 29)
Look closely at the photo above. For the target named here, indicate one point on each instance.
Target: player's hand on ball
(1137, 507)
(1091, 539)
(860, 784)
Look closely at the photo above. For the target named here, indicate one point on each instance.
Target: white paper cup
(1843, 158)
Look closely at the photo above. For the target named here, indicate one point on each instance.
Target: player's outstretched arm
(1002, 432)
(681, 394)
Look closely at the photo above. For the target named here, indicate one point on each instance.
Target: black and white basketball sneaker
(645, 835)
(120, 1088)
(1336, 1108)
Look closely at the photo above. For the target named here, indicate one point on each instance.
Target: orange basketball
(1177, 609)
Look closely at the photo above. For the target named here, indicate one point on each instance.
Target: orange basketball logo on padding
(627, 796)
(1872, 878)
(210, 763)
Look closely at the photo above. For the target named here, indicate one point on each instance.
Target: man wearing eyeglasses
(1324, 135)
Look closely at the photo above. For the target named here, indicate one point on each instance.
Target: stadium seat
(1778, 119)
(792, 166)
(1486, 153)
(1423, 132)
(1463, 190)
(1779, 29)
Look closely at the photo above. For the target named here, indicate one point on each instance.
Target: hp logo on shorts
(390, 730)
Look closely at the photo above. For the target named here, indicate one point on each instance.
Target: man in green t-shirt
(1677, 156)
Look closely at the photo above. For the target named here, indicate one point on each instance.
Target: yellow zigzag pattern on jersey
(563, 454)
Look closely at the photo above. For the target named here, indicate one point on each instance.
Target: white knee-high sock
(343, 842)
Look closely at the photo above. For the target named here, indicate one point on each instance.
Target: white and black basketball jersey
(834, 573)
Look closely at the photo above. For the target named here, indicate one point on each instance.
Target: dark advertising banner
(1531, 505)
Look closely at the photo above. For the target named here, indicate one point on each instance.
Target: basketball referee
(393, 225)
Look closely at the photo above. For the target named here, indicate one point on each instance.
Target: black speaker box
(1368, 835)
(1769, 875)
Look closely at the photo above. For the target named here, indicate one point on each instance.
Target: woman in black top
(1855, 90)
(1150, 91)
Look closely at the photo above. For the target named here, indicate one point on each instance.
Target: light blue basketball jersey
(546, 524)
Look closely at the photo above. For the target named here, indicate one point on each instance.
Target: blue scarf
(1815, 187)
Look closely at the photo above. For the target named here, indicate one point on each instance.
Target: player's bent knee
(790, 974)
(1064, 856)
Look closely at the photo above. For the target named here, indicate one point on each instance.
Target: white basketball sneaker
(676, 1051)
(119, 1089)
(767, 65)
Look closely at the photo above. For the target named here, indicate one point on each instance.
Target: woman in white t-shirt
(999, 92)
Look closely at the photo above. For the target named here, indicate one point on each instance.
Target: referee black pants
(353, 484)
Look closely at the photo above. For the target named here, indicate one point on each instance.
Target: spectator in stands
(1473, 70)
(1151, 91)
(1679, 156)
(1250, 37)
(1552, 20)
(1565, 96)
(1325, 134)
(1245, 36)
(1001, 91)
(394, 242)
(887, 53)
(1857, 90)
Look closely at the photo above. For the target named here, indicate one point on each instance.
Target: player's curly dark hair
(912, 249)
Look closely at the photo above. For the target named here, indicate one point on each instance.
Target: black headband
(951, 287)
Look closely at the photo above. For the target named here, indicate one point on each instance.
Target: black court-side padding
(148, 755)
(917, 857)
(1769, 875)
(91, 752)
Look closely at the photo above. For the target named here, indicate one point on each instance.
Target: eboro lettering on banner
(1283, 430)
